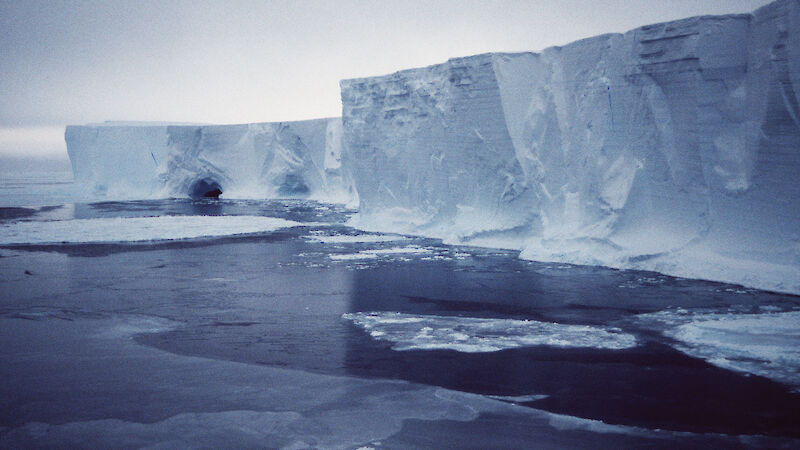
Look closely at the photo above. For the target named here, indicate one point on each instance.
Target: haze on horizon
(74, 62)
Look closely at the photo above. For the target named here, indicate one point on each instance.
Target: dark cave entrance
(205, 188)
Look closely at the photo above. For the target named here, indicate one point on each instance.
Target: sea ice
(765, 344)
(135, 229)
(479, 335)
(355, 239)
(375, 253)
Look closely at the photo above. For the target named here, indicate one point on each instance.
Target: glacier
(299, 159)
(674, 147)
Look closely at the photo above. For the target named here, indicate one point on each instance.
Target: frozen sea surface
(273, 324)
(135, 229)
(480, 335)
(764, 342)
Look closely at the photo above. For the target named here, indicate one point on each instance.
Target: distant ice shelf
(122, 160)
(674, 147)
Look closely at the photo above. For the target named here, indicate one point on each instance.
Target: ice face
(672, 147)
(429, 151)
(266, 160)
(118, 161)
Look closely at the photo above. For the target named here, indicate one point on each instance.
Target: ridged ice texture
(263, 160)
(674, 147)
(428, 148)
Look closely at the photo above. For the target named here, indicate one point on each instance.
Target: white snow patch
(479, 335)
(361, 238)
(396, 250)
(372, 254)
(765, 344)
(136, 229)
(352, 256)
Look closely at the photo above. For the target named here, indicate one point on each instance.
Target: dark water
(277, 299)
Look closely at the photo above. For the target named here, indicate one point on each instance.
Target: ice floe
(355, 239)
(375, 253)
(765, 344)
(136, 229)
(477, 335)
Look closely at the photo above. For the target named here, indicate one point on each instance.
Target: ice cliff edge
(674, 147)
(261, 160)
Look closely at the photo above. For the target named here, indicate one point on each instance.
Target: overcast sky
(73, 62)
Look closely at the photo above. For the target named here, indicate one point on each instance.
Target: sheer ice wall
(674, 147)
(262, 160)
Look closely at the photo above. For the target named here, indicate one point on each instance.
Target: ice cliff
(262, 160)
(674, 147)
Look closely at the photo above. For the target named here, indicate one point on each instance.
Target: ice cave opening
(294, 186)
(205, 188)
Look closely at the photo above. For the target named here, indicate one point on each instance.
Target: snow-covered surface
(765, 344)
(478, 335)
(135, 229)
(261, 160)
(673, 147)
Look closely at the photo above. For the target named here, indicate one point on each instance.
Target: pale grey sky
(72, 62)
